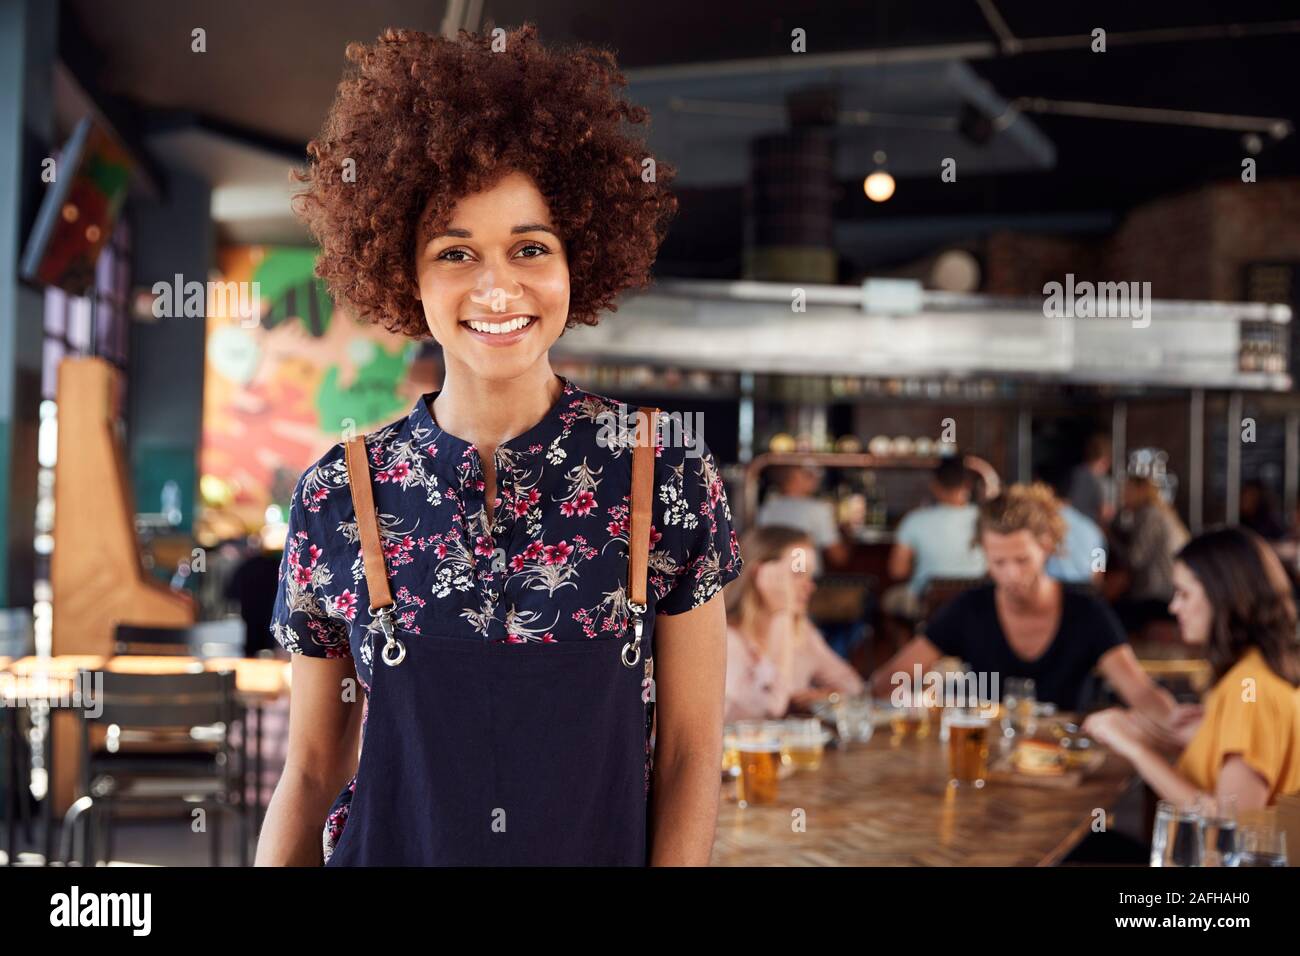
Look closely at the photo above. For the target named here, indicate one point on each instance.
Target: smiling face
(1191, 605)
(494, 284)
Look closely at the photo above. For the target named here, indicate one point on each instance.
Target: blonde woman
(776, 657)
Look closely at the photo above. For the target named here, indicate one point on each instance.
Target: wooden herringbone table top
(887, 803)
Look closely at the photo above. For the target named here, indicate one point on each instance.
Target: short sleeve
(697, 518)
(826, 532)
(1243, 718)
(1105, 631)
(907, 533)
(309, 617)
(945, 629)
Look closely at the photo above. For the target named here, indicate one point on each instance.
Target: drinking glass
(1018, 700)
(758, 749)
(1262, 844)
(1222, 837)
(855, 719)
(906, 718)
(1178, 838)
(968, 747)
(803, 743)
(730, 755)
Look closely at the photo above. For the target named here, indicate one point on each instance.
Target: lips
(499, 329)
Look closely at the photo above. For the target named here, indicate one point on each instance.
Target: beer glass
(908, 718)
(758, 749)
(968, 748)
(803, 743)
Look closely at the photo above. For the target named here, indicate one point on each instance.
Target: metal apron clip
(632, 649)
(394, 651)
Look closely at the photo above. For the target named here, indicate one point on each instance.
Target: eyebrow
(466, 234)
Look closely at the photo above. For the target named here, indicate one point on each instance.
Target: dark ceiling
(271, 67)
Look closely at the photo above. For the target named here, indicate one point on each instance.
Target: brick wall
(1189, 246)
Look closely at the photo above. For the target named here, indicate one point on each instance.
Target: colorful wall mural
(280, 391)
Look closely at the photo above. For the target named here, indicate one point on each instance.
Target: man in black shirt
(1026, 623)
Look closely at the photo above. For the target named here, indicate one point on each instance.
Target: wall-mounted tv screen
(76, 219)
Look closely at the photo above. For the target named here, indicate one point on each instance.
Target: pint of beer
(758, 751)
(968, 749)
(760, 768)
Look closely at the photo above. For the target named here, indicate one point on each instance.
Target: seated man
(1075, 561)
(936, 541)
(1028, 624)
(793, 503)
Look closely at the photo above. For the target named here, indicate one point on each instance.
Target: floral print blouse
(546, 561)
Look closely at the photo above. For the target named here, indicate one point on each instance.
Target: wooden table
(887, 803)
(52, 680)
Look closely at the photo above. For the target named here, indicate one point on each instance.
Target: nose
(487, 292)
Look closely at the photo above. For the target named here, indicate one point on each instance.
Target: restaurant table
(1176, 661)
(51, 680)
(887, 802)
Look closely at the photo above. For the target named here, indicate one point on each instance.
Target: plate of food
(1048, 763)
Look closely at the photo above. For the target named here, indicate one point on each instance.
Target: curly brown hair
(426, 120)
(1023, 507)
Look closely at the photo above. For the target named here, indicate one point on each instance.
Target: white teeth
(501, 328)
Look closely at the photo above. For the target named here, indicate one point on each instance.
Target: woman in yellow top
(1232, 595)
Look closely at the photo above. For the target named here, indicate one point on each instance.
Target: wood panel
(96, 575)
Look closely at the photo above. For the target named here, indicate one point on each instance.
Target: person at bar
(934, 541)
(1090, 488)
(1259, 511)
(1076, 560)
(776, 657)
(1232, 597)
(1028, 624)
(1148, 533)
(793, 503)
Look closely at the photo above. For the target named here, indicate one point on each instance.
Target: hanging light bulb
(879, 186)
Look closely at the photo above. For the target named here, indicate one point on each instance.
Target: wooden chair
(939, 591)
(191, 717)
(135, 639)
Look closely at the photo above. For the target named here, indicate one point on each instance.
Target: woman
(1026, 623)
(1149, 534)
(490, 198)
(776, 657)
(1231, 596)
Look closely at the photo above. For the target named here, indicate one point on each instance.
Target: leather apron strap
(363, 503)
(643, 470)
(643, 475)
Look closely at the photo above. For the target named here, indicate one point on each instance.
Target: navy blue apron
(481, 753)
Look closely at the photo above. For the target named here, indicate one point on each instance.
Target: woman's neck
(486, 412)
